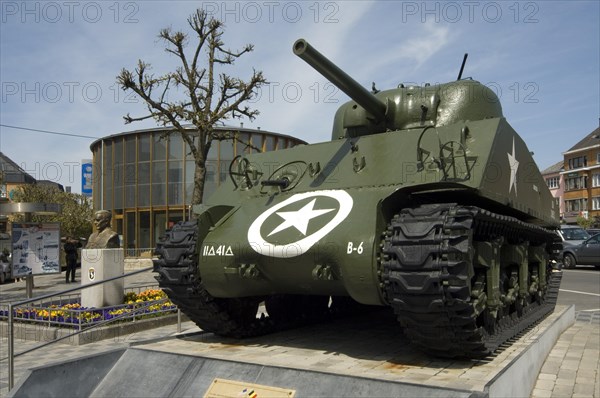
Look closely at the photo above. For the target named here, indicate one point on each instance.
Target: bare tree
(209, 97)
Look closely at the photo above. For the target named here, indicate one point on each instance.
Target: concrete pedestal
(98, 265)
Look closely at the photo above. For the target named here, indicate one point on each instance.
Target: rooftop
(555, 168)
(12, 172)
(239, 129)
(588, 141)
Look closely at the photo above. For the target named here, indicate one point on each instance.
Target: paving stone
(584, 389)
(562, 391)
(588, 364)
(557, 354)
(546, 376)
(571, 365)
(592, 352)
(541, 393)
(567, 374)
(547, 385)
(551, 367)
(574, 356)
(565, 382)
(585, 380)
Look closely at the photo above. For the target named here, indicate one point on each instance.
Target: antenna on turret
(462, 67)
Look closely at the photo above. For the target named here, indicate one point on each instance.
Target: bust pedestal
(98, 265)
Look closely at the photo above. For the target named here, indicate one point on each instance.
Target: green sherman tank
(425, 200)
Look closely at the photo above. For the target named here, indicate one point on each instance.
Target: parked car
(585, 253)
(572, 234)
(593, 231)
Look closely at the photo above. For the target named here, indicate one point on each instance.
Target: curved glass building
(145, 178)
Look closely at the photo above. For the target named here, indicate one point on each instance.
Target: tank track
(427, 260)
(178, 277)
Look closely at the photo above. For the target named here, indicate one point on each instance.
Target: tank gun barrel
(340, 79)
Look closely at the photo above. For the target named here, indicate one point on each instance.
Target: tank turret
(403, 107)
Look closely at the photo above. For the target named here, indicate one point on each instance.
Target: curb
(519, 377)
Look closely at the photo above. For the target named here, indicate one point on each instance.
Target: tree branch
(211, 97)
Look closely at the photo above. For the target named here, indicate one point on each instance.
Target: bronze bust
(104, 237)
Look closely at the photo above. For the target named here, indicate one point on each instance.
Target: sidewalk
(572, 368)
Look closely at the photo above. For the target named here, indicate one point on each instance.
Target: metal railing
(140, 307)
(65, 310)
(72, 315)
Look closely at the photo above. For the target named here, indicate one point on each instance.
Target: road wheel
(569, 261)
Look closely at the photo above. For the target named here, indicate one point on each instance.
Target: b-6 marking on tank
(300, 220)
(355, 248)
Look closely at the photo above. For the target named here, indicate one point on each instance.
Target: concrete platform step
(358, 357)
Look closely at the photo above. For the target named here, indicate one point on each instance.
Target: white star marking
(514, 166)
(299, 219)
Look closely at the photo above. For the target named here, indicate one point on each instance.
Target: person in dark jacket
(71, 246)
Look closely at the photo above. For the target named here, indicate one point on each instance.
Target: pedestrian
(71, 246)
(5, 255)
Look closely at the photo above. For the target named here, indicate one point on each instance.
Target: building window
(143, 183)
(576, 205)
(144, 147)
(160, 225)
(553, 182)
(597, 157)
(596, 180)
(144, 232)
(577, 162)
(575, 183)
(596, 203)
(159, 183)
(175, 147)
(159, 149)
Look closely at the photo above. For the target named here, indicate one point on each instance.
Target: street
(581, 287)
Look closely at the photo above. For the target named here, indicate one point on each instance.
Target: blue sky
(59, 61)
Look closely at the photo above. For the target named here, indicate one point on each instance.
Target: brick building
(581, 176)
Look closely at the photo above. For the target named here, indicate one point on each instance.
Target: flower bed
(146, 304)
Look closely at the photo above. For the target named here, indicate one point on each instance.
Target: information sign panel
(36, 248)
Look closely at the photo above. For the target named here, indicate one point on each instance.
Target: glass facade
(146, 178)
